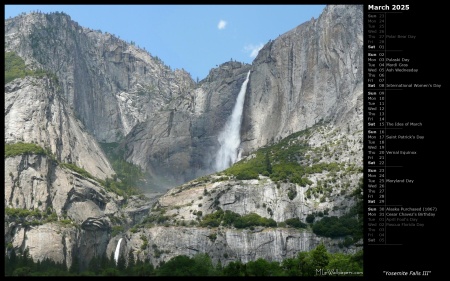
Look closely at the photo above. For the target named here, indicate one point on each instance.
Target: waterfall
(230, 137)
(116, 253)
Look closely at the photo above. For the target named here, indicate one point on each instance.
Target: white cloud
(253, 49)
(222, 24)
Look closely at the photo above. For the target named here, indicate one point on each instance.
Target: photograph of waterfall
(184, 140)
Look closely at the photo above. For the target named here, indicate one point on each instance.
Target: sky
(195, 38)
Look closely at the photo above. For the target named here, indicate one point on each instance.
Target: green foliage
(229, 218)
(292, 193)
(15, 68)
(304, 264)
(130, 178)
(20, 148)
(220, 179)
(310, 218)
(261, 267)
(178, 266)
(295, 222)
(247, 175)
(213, 219)
(22, 264)
(77, 169)
(319, 257)
(267, 163)
(156, 252)
(281, 224)
(158, 218)
(144, 242)
(23, 213)
(65, 221)
(336, 227)
(282, 162)
(350, 224)
(116, 229)
(121, 264)
(131, 262)
(253, 219)
(34, 217)
(204, 266)
(199, 265)
(213, 237)
(235, 268)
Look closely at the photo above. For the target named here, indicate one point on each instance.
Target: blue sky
(194, 37)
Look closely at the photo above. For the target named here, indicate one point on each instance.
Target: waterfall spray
(230, 137)
(116, 253)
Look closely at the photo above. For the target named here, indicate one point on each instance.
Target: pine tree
(147, 268)
(10, 262)
(95, 265)
(112, 260)
(121, 263)
(319, 257)
(219, 267)
(104, 262)
(267, 163)
(75, 266)
(40, 267)
(130, 263)
(26, 260)
(304, 265)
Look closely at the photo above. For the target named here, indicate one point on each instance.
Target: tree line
(313, 263)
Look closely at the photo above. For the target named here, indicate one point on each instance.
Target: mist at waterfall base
(116, 253)
(230, 138)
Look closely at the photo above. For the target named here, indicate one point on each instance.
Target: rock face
(170, 124)
(36, 112)
(181, 208)
(312, 72)
(180, 140)
(110, 84)
(221, 244)
(73, 215)
(105, 90)
(39, 184)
